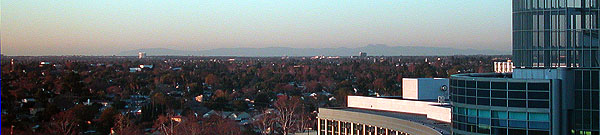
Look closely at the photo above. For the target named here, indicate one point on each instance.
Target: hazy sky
(106, 27)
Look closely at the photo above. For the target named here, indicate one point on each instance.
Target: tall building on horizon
(555, 85)
(362, 54)
(141, 55)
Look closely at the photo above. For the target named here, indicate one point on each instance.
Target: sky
(107, 27)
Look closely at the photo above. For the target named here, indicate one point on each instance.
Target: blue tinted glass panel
(517, 124)
(472, 120)
(517, 116)
(472, 112)
(539, 125)
(539, 117)
(499, 114)
(484, 113)
(485, 121)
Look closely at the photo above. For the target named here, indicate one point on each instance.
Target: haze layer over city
(33, 28)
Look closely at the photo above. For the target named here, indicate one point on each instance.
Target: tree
(168, 125)
(106, 120)
(217, 125)
(165, 125)
(211, 80)
(189, 126)
(63, 123)
(125, 126)
(265, 122)
(287, 110)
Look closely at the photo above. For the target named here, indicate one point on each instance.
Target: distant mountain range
(371, 50)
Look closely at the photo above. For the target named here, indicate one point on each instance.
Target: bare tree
(175, 125)
(125, 126)
(165, 124)
(189, 126)
(304, 121)
(287, 110)
(217, 125)
(265, 122)
(63, 123)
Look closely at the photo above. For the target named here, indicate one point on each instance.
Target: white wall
(410, 87)
(405, 106)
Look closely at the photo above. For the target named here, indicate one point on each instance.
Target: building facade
(554, 88)
(385, 116)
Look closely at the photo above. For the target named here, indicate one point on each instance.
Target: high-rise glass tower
(555, 85)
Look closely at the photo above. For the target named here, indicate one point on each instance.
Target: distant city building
(135, 70)
(12, 65)
(424, 88)
(45, 64)
(141, 55)
(391, 115)
(146, 66)
(362, 54)
(503, 67)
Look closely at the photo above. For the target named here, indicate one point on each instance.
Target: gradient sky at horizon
(107, 27)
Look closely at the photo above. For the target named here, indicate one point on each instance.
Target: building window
(539, 95)
(516, 103)
(539, 125)
(499, 102)
(517, 94)
(499, 85)
(499, 94)
(538, 86)
(516, 86)
(538, 104)
(517, 124)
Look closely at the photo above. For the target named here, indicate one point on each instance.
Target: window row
(585, 120)
(500, 85)
(501, 102)
(587, 79)
(561, 58)
(524, 116)
(556, 20)
(484, 93)
(331, 127)
(519, 5)
(556, 40)
(497, 130)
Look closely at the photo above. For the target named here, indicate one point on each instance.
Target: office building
(554, 87)
(362, 54)
(141, 55)
(389, 115)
